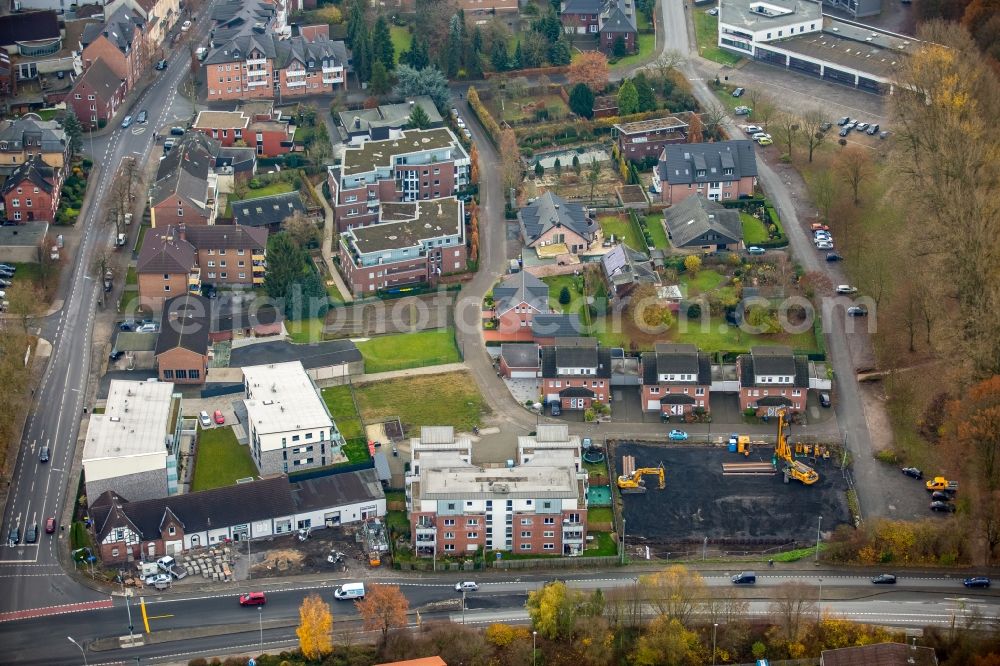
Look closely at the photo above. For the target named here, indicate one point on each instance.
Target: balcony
(256, 61)
(257, 84)
(296, 84)
(258, 280)
(573, 537)
(256, 72)
(333, 79)
(194, 280)
(289, 73)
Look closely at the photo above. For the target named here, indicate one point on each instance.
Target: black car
(824, 399)
(941, 496)
(884, 579)
(913, 472)
(142, 117)
(126, 326)
(31, 534)
(857, 311)
(162, 64)
(947, 507)
(977, 581)
(115, 355)
(833, 256)
(14, 536)
(843, 121)
(845, 131)
(176, 131)
(556, 408)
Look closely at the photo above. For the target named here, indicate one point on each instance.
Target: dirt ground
(700, 502)
(287, 556)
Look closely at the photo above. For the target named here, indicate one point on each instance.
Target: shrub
(564, 296)
(254, 184)
(694, 311)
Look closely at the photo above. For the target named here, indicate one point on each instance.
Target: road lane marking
(56, 610)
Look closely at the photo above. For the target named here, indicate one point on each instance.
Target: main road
(30, 574)
(206, 625)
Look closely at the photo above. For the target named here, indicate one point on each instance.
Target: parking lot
(699, 501)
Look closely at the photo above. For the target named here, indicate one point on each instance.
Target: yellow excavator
(793, 468)
(634, 483)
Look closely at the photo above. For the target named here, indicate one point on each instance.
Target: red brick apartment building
(119, 42)
(576, 376)
(97, 95)
(31, 192)
(772, 379)
(717, 171)
(676, 380)
(255, 124)
(647, 138)
(418, 165)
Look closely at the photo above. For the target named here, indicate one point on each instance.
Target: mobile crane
(793, 468)
(633, 483)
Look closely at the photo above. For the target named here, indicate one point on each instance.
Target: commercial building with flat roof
(289, 426)
(132, 447)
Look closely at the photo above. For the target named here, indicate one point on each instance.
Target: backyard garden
(221, 460)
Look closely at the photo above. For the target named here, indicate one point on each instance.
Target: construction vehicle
(632, 482)
(942, 484)
(794, 469)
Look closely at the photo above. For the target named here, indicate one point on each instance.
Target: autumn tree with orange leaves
(383, 608)
(591, 69)
(315, 630)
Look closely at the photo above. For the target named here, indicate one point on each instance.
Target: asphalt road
(30, 575)
(182, 626)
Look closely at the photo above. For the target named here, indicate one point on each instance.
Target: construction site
(741, 496)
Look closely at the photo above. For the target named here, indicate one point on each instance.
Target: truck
(942, 484)
(201, 53)
(169, 565)
(349, 591)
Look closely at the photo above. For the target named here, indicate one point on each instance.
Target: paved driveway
(313, 355)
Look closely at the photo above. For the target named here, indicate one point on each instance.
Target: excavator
(793, 468)
(634, 483)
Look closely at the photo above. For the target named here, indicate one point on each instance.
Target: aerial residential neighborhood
(443, 332)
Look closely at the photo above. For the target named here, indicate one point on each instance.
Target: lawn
(401, 39)
(654, 224)
(647, 41)
(573, 283)
(754, 232)
(600, 515)
(356, 451)
(514, 111)
(702, 282)
(221, 460)
(131, 279)
(397, 522)
(338, 400)
(717, 335)
(409, 350)
(622, 228)
(142, 237)
(706, 30)
(445, 399)
(304, 331)
(603, 545)
(333, 293)
(277, 187)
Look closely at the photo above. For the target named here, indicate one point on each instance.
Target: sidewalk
(328, 234)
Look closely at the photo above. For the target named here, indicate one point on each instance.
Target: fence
(557, 563)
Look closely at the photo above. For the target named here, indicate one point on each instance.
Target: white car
(206, 420)
(460, 123)
(752, 129)
(822, 235)
(824, 245)
(186, 26)
(148, 327)
(760, 135)
(157, 578)
(466, 586)
(846, 289)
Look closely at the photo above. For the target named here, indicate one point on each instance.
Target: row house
(607, 20)
(31, 192)
(120, 42)
(159, 17)
(186, 187)
(517, 300)
(263, 130)
(676, 379)
(27, 137)
(258, 64)
(550, 224)
(174, 260)
(456, 508)
(772, 379)
(646, 139)
(416, 242)
(416, 165)
(576, 376)
(97, 96)
(717, 171)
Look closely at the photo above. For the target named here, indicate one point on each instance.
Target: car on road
(913, 472)
(31, 534)
(14, 536)
(142, 117)
(206, 421)
(148, 327)
(253, 599)
(843, 121)
(872, 130)
(764, 141)
(161, 64)
(884, 579)
(460, 123)
(218, 417)
(677, 436)
(833, 256)
(50, 525)
(846, 289)
(824, 400)
(822, 236)
(755, 250)
(752, 129)
(744, 578)
(126, 122)
(185, 26)
(43, 454)
(857, 311)
(976, 581)
(946, 507)
(157, 578)
(738, 92)
(742, 110)
(466, 586)
(556, 408)
(941, 496)
(177, 131)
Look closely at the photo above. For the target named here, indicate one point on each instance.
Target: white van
(349, 591)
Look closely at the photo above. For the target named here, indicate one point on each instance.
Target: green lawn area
(303, 331)
(704, 281)
(131, 278)
(401, 39)
(720, 336)
(654, 223)
(513, 110)
(445, 399)
(356, 451)
(601, 514)
(338, 400)
(754, 232)
(622, 228)
(278, 187)
(47, 114)
(397, 522)
(333, 293)
(221, 460)
(706, 30)
(647, 41)
(142, 237)
(409, 350)
(573, 283)
(603, 545)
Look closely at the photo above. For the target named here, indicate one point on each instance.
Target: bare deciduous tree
(794, 605)
(812, 131)
(668, 61)
(675, 592)
(853, 164)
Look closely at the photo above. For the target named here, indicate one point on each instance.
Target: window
(449, 546)
(449, 522)
(211, 264)
(526, 521)
(27, 202)
(549, 521)
(211, 275)
(525, 546)
(548, 535)
(166, 287)
(222, 264)
(549, 546)
(699, 391)
(171, 530)
(15, 203)
(472, 535)
(449, 535)
(180, 212)
(472, 521)
(91, 98)
(194, 374)
(525, 535)
(180, 374)
(243, 276)
(168, 374)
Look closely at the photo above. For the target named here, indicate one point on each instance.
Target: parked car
(148, 327)
(825, 126)
(742, 110)
(844, 131)
(884, 134)
(185, 26)
(738, 92)
(126, 122)
(765, 141)
(176, 131)
(753, 249)
(833, 256)
(872, 130)
(824, 400)
(759, 135)
(206, 421)
(714, 11)
(466, 586)
(946, 507)
(752, 129)
(8, 267)
(976, 581)
(824, 245)
(31, 534)
(941, 496)
(843, 121)
(846, 289)
(50, 525)
(677, 436)
(913, 472)
(556, 408)
(157, 578)
(253, 599)
(5, 283)
(861, 127)
(857, 311)
(161, 64)
(884, 579)
(142, 117)
(218, 417)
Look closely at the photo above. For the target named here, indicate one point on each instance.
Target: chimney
(357, 122)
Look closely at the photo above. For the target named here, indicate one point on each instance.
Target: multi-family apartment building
(256, 124)
(772, 379)
(120, 42)
(645, 139)
(576, 376)
(385, 120)
(411, 166)
(416, 242)
(534, 507)
(97, 95)
(159, 16)
(717, 171)
(31, 192)
(288, 424)
(676, 379)
(24, 138)
(186, 187)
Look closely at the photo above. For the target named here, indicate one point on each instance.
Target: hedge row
(488, 122)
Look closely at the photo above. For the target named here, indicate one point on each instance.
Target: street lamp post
(715, 627)
(623, 540)
(819, 603)
(128, 608)
(463, 605)
(819, 528)
(82, 651)
(534, 642)
(260, 622)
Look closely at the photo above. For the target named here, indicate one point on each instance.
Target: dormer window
(701, 173)
(728, 171)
